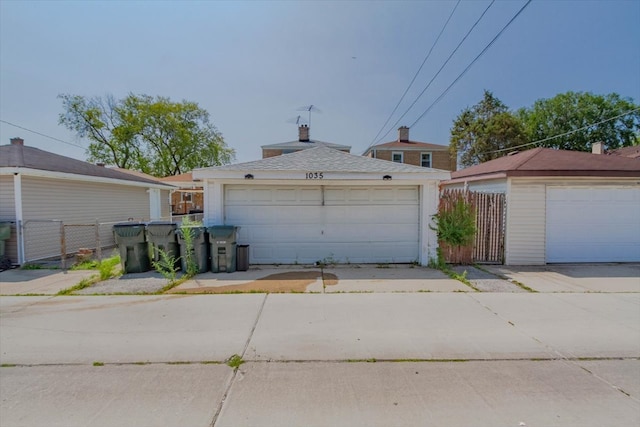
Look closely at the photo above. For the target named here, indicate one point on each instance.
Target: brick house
(403, 150)
(303, 143)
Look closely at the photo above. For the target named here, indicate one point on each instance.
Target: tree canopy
(568, 121)
(484, 128)
(590, 118)
(151, 135)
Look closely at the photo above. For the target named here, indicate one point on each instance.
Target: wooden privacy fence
(488, 245)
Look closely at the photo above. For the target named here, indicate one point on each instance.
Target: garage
(324, 205)
(593, 224)
(326, 223)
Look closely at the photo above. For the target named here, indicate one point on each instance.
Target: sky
(252, 65)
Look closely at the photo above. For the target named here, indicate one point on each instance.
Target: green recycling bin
(200, 247)
(5, 233)
(223, 248)
(132, 243)
(162, 237)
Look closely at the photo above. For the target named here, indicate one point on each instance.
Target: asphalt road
(454, 359)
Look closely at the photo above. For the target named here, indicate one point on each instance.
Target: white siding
(165, 206)
(525, 235)
(74, 202)
(489, 186)
(8, 213)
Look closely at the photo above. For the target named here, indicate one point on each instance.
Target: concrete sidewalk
(455, 359)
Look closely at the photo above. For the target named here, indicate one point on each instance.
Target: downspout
(17, 195)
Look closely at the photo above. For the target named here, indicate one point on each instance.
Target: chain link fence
(57, 242)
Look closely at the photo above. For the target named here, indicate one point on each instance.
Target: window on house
(425, 160)
(186, 197)
(397, 157)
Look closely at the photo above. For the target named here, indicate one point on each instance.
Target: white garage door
(595, 224)
(341, 224)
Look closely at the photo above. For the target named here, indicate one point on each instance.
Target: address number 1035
(314, 175)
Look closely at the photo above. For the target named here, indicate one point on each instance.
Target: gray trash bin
(132, 243)
(242, 258)
(162, 237)
(223, 248)
(200, 247)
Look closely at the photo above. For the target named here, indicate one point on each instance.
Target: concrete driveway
(39, 282)
(574, 277)
(331, 279)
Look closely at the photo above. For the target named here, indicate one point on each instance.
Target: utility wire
(566, 133)
(42, 134)
(439, 71)
(471, 64)
(416, 74)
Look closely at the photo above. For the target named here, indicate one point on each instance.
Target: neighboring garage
(325, 205)
(563, 206)
(593, 224)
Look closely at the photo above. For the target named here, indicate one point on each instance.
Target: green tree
(484, 128)
(571, 111)
(147, 134)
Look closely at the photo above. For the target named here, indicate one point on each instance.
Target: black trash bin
(132, 243)
(223, 248)
(162, 237)
(200, 247)
(242, 258)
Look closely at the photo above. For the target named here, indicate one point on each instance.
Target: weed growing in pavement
(30, 266)
(166, 265)
(98, 363)
(382, 266)
(188, 235)
(8, 365)
(106, 266)
(91, 264)
(235, 361)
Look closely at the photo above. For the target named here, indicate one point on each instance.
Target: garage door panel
(593, 224)
(355, 224)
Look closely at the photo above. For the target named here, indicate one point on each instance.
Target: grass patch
(91, 264)
(30, 266)
(179, 363)
(211, 362)
(106, 270)
(8, 365)
(235, 361)
(98, 363)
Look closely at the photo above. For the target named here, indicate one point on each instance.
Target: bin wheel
(5, 263)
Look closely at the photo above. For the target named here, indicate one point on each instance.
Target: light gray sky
(253, 64)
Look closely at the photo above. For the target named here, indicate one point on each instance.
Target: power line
(471, 64)
(416, 74)
(566, 133)
(440, 70)
(42, 134)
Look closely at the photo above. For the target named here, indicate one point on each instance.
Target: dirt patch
(291, 281)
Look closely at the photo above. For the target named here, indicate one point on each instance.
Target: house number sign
(315, 175)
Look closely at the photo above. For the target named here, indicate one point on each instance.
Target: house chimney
(17, 141)
(597, 147)
(303, 133)
(100, 164)
(403, 134)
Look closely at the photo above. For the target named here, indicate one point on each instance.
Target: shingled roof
(551, 162)
(324, 159)
(20, 156)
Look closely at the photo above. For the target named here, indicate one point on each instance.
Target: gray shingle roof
(304, 145)
(322, 158)
(21, 156)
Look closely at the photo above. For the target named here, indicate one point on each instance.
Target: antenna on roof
(309, 109)
(297, 120)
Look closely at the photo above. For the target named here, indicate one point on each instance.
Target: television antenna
(297, 120)
(309, 108)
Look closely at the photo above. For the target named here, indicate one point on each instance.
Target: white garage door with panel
(305, 224)
(593, 224)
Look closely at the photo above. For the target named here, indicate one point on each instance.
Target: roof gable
(408, 145)
(322, 158)
(550, 162)
(20, 156)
